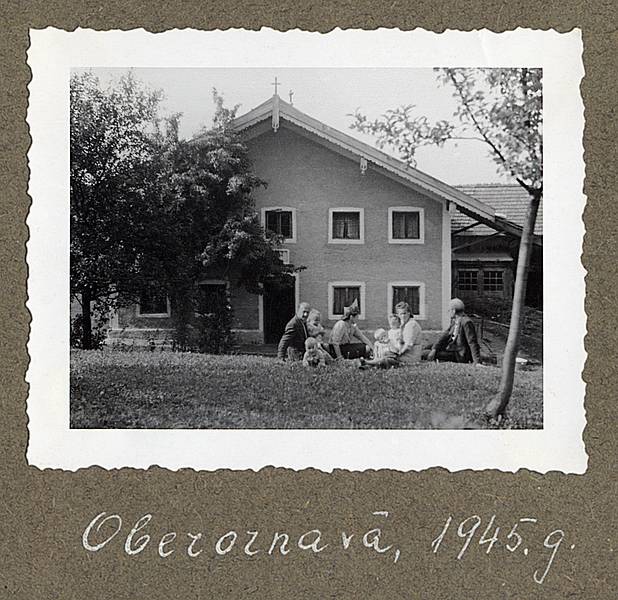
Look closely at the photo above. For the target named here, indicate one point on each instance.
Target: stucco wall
(128, 317)
(310, 178)
(246, 313)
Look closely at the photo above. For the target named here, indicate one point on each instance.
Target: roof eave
(414, 176)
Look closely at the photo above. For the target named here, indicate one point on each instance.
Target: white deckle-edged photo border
(53, 444)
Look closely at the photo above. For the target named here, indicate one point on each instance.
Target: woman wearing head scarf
(346, 339)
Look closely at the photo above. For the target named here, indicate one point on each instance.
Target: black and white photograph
(297, 247)
(318, 248)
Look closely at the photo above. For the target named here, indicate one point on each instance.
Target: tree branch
(480, 129)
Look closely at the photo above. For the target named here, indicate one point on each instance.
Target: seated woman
(346, 339)
(411, 334)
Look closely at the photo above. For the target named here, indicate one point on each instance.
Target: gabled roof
(510, 200)
(280, 111)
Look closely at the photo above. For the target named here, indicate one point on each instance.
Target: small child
(384, 355)
(312, 357)
(395, 336)
(322, 349)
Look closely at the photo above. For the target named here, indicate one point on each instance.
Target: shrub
(215, 326)
(203, 321)
(99, 333)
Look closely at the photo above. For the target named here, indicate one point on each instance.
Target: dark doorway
(279, 308)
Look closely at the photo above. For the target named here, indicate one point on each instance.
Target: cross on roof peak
(276, 84)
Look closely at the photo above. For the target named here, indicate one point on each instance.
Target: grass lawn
(174, 390)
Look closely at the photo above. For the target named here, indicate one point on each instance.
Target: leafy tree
(501, 108)
(148, 209)
(118, 160)
(217, 229)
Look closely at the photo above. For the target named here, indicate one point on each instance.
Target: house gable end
(263, 128)
(280, 113)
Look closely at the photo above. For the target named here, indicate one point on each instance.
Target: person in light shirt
(384, 356)
(395, 337)
(411, 334)
(346, 339)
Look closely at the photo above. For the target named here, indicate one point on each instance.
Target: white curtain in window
(346, 226)
(406, 225)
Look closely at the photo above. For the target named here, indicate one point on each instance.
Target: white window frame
(361, 230)
(331, 298)
(265, 209)
(421, 224)
(164, 315)
(421, 296)
(286, 255)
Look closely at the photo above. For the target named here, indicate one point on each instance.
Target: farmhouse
(484, 259)
(364, 225)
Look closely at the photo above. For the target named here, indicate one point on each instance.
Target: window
(407, 294)
(406, 225)
(412, 292)
(345, 296)
(280, 220)
(153, 302)
(467, 281)
(493, 281)
(346, 226)
(211, 295)
(284, 255)
(344, 293)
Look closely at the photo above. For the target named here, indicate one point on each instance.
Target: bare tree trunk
(499, 403)
(86, 320)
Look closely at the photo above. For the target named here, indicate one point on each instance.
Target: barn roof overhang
(499, 224)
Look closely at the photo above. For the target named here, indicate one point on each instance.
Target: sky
(327, 94)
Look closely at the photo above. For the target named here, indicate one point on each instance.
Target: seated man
(459, 342)
(292, 343)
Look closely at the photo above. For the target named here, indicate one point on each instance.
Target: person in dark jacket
(292, 343)
(459, 342)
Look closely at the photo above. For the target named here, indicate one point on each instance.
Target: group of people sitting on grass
(402, 344)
